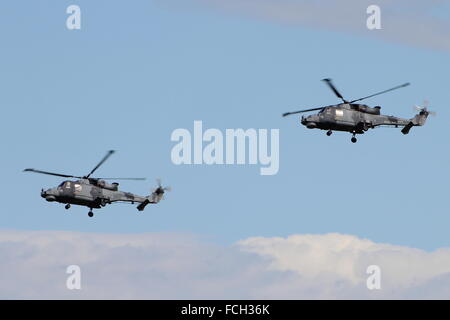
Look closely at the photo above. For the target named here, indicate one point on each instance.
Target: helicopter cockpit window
(322, 110)
(61, 184)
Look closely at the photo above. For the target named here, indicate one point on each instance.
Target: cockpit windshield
(322, 110)
(62, 184)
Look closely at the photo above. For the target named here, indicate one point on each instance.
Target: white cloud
(412, 22)
(347, 257)
(177, 266)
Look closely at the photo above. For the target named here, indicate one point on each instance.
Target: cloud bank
(176, 266)
(412, 22)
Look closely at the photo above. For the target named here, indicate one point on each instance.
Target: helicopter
(357, 118)
(96, 192)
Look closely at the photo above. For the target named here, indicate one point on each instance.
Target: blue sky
(135, 72)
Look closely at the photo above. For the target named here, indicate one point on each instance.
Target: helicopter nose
(309, 122)
(304, 121)
(48, 195)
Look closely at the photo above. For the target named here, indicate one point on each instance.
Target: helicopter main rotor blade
(301, 111)
(375, 94)
(51, 173)
(136, 179)
(333, 88)
(110, 152)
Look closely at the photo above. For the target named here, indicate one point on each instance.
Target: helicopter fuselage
(354, 118)
(82, 192)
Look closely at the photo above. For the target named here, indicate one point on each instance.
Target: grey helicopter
(96, 192)
(357, 118)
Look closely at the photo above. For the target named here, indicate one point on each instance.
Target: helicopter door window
(77, 187)
(339, 113)
(67, 185)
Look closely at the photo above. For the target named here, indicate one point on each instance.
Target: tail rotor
(156, 196)
(159, 191)
(423, 109)
(420, 118)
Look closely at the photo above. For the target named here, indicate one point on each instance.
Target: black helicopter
(96, 192)
(357, 118)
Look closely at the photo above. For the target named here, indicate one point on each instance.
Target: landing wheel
(67, 206)
(90, 214)
(354, 139)
(329, 133)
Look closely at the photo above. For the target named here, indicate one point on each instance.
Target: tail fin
(142, 205)
(408, 127)
(418, 120)
(155, 197)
